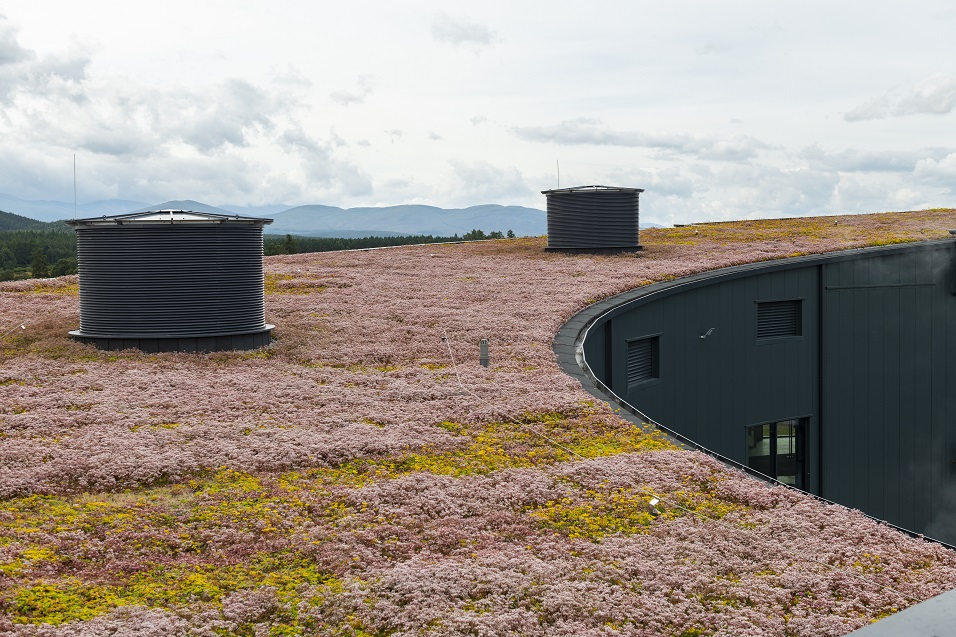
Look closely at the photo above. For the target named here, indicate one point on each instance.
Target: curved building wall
(852, 355)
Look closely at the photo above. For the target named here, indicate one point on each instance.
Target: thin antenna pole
(558, 162)
(74, 185)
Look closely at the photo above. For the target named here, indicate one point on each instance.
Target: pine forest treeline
(294, 244)
(28, 254)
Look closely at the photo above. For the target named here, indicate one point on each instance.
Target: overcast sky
(719, 110)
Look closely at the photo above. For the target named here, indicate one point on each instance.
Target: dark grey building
(834, 373)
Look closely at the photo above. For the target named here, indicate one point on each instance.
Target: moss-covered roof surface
(364, 475)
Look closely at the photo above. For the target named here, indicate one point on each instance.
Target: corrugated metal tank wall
(170, 281)
(593, 218)
(162, 286)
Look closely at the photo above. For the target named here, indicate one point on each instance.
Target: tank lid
(591, 189)
(167, 217)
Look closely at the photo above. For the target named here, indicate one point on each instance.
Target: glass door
(775, 449)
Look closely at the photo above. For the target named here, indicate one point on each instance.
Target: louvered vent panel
(641, 363)
(778, 318)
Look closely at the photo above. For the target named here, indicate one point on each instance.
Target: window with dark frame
(777, 319)
(642, 360)
(776, 449)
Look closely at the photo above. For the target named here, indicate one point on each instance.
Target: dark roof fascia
(623, 302)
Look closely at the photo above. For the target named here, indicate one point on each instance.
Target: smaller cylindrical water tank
(593, 219)
(171, 280)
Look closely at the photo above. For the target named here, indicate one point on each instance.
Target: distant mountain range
(316, 220)
(56, 210)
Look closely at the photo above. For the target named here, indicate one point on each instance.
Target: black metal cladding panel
(778, 318)
(602, 219)
(170, 280)
(640, 360)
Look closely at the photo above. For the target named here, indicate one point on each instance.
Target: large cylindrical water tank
(593, 219)
(171, 280)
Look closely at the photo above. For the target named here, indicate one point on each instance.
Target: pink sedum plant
(350, 480)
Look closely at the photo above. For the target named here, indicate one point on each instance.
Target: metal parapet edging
(568, 346)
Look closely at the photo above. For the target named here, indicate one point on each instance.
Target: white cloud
(940, 172)
(321, 170)
(935, 95)
(873, 108)
(10, 50)
(482, 181)
(295, 139)
(766, 191)
(228, 139)
(853, 160)
(359, 95)
(720, 116)
(461, 32)
(223, 116)
(710, 48)
(671, 181)
(395, 134)
(865, 192)
(130, 119)
(589, 131)
(23, 70)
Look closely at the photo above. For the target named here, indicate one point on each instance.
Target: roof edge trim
(151, 217)
(595, 188)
